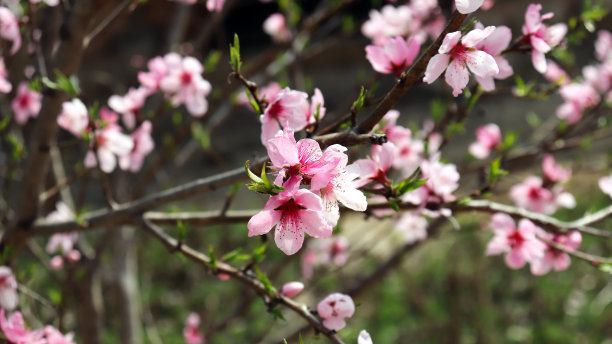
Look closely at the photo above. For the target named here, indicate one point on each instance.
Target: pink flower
(605, 184)
(394, 57)
(364, 338)
(599, 77)
(375, 169)
(293, 212)
(541, 37)
(554, 259)
(488, 4)
(5, 84)
(110, 144)
(603, 46)
(488, 137)
(129, 105)
(334, 309)
(468, 6)
(316, 104)
(459, 54)
(578, 97)
(276, 26)
(304, 159)
(74, 117)
(532, 196)
(555, 74)
(191, 333)
(412, 227)
(215, 5)
(15, 331)
(309, 261)
(291, 289)
(8, 289)
(184, 84)
(26, 104)
(54, 336)
(494, 45)
(555, 172)
(340, 187)
(9, 28)
(158, 69)
(519, 244)
(389, 127)
(288, 110)
(56, 263)
(267, 93)
(143, 146)
(389, 22)
(442, 179)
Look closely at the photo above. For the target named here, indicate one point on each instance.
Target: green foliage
(201, 134)
(495, 171)
(358, 104)
(212, 60)
(509, 141)
(235, 60)
(409, 184)
(262, 184)
(438, 108)
(265, 281)
(235, 255)
(592, 13)
(70, 84)
(253, 102)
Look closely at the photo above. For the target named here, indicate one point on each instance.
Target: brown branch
(248, 279)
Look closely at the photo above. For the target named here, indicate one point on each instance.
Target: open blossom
(468, 6)
(62, 243)
(276, 26)
(291, 289)
(5, 84)
(541, 37)
(294, 212)
(598, 76)
(287, 109)
(151, 79)
(533, 196)
(15, 330)
(341, 186)
(389, 22)
(215, 5)
(605, 184)
(456, 55)
(129, 105)
(334, 309)
(143, 146)
(494, 45)
(184, 84)
(191, 332)
(412, 227)
(111, 143)
(8, 289)
(603, 46)
(9, 28)
(375, 169)
(74, 117)
(578, 97)
(519, 245)
(555, 172)
(554, 259)
(304, 159)
(488, 137)
(364, 338)
(394, 57)
(26, 104)
(326, 252)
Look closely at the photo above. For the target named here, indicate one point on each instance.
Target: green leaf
(495, 171)
(259, 253)
(212, 60)
(252, 101)
(265, 281)
(509, 141)
(394, 204)
(235, 60)
(605, 267)
(182, 230)
(438, 108)
(252, 175)
(262, 185)
(358, 104)
(410, 183)
(213, 259)
(201, 134)
(235, 256)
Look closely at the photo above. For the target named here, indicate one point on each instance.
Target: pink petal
(289, 234)
(481, 63)
(514, 259)
(379, 60)
(262, 222)
(435, 68)
(498, 40)
(457, 76)
(539, 61)
(314, 224)
(468, 6)
(450, 41)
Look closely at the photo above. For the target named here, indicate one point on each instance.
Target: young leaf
(495, 171)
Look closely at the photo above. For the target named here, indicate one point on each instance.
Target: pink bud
(291, 289)
(57, 263)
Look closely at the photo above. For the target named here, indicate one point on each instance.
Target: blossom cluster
(16, 332)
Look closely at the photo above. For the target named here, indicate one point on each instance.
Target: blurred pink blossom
(215, 5)
(143, 146)
(16, 332)
(488, 137)
(291, 289)
(519, 245)
(375, 169)
(5, 84)
(542, 38)
(533, 196)
(468, 6)
(74, 117)
(27, 103)
(276, 26)
(364, 338)
(9, 28)
(111, 143)
(8, 289)
(334, 309)
(129, 105)
(554, 259)
(412, 227)
(184, 84)
(605, 184)
(555, 172)
(394, 57)
(191, 332)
